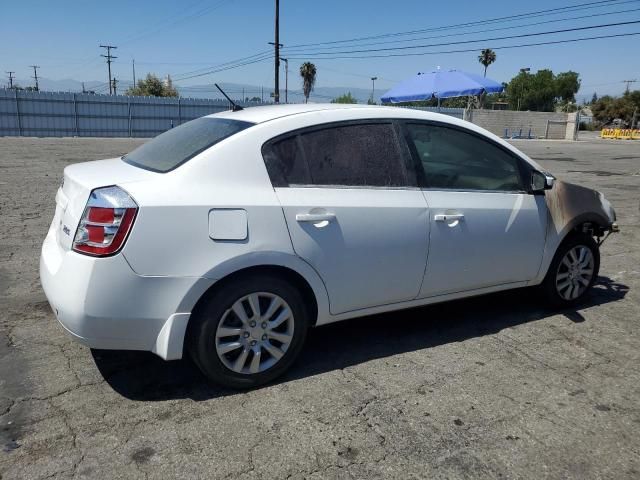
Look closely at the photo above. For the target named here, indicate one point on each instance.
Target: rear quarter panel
(171, 234)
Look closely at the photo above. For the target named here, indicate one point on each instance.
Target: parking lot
(491, 387)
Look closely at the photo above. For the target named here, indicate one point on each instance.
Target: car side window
(355, 155)
(456, 160)
(285, 162)
(352, 155)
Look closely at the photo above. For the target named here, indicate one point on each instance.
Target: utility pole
(133, 65)
(115, 82)
(83, 89)
(10, 79)
(276, 93)
(629, 82)
(110, 59)
(373, 88)
(35, 76)
(286, 79)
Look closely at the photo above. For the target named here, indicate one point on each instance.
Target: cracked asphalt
(491, 387)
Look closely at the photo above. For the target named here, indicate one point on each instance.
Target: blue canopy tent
(441, 84)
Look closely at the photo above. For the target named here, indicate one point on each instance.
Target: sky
(177, 37)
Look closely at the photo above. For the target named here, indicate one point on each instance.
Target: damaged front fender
(572, 205)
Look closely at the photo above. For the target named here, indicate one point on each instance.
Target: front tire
(249, 331)
(573, 271)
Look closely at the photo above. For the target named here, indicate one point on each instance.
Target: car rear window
(174, 147)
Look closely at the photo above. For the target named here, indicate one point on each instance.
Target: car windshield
(174, 147)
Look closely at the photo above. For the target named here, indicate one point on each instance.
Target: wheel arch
(287, 273)
(289, 266)
(170, 341)
(589, 222)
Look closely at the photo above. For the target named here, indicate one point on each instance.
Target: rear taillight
(106, 222)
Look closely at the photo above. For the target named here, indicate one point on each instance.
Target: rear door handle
(315, 217)
(441, 217)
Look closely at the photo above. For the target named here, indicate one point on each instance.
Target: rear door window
(355, 155)
(350, 155)
(174, 147)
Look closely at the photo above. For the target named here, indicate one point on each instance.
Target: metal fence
(53, 114)
(60, 114)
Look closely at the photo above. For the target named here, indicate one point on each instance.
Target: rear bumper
(103, 303)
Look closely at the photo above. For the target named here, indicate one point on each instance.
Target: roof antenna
(234, 106)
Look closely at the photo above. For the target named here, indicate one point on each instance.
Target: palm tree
(486, 58)
(308, 74)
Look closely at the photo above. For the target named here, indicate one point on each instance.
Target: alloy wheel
(575, 272)
(255, 333)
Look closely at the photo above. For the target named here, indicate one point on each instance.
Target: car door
(486, 230)
(353, 210)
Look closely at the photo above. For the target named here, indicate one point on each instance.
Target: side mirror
(541, 181)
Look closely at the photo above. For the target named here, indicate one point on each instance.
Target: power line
(538, 13)
(89, 60)
(152, 27)
(502, 47)
(361, 75)
(461, 42)
(628, 82)
(177, 21)
(192, 73)
(511, 27)
(35, 76)
(229, 67)
(109, 58)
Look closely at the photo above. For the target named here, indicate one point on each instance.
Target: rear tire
(249, 331)
(572, 272)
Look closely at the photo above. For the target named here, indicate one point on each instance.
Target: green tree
(567, 85)
(152, 86)
(486, 58)
(308, 73)
(608, 108)
(594, 98)
(345, 98)
(542, 91)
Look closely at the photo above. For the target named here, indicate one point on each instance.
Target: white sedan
(230, 236)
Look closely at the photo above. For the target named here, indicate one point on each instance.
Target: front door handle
(315, 217)
(441, 217)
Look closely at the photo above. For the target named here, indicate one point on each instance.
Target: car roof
(268, 113)
(271, 112)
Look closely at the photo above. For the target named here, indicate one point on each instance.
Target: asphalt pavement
(490, 387)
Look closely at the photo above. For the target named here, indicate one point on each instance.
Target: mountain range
(234, 90)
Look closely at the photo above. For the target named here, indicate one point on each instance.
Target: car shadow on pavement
(145, 377)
